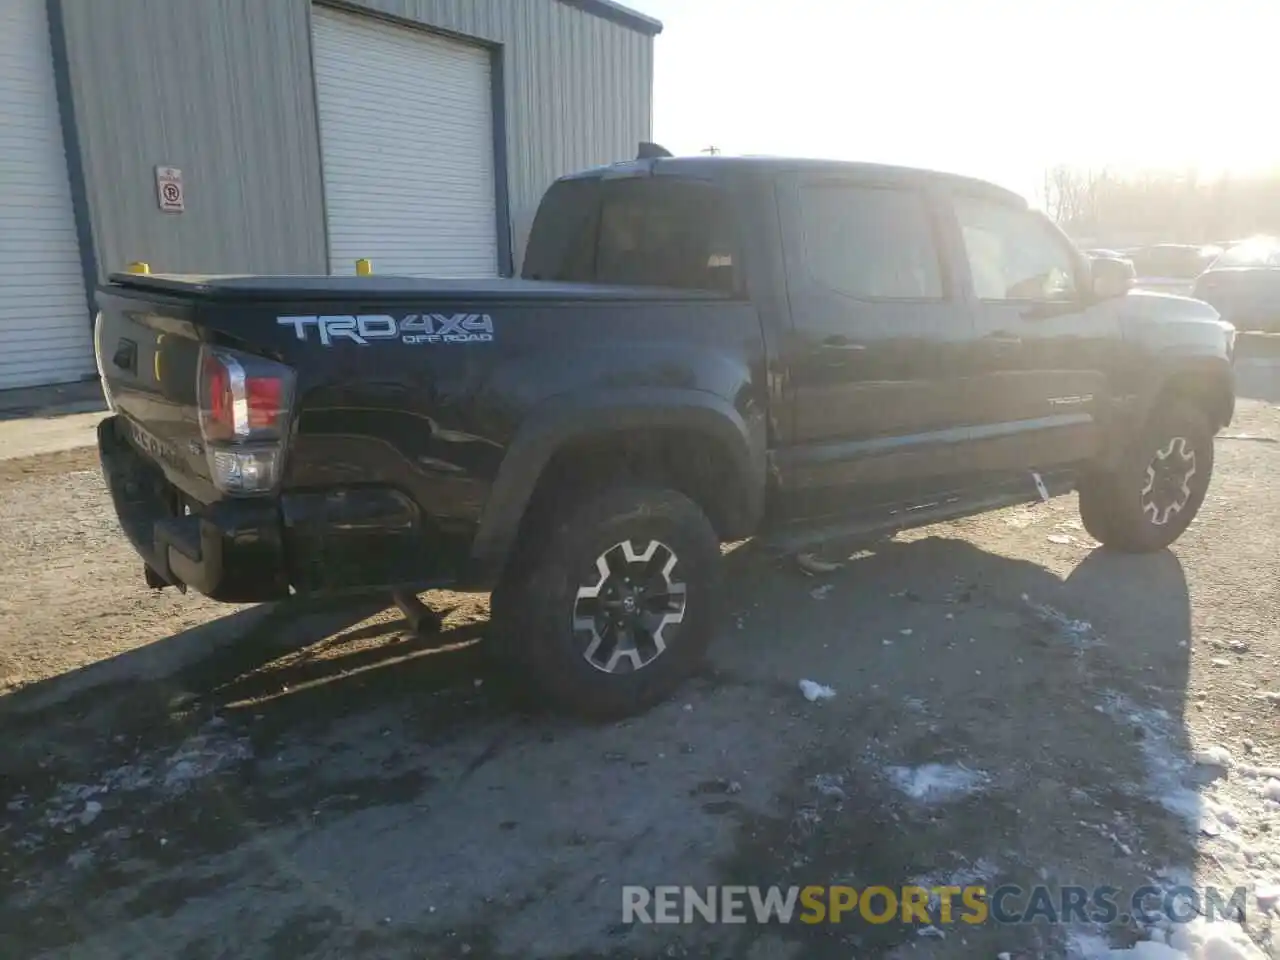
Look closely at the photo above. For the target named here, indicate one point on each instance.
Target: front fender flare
(573, 417)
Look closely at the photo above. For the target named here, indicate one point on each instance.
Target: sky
(991, 88)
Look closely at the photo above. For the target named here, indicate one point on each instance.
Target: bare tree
(1170, 205)
(1072, 196)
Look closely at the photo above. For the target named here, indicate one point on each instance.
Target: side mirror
(1110, 277)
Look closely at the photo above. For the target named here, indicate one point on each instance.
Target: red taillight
(243, 397)
(265, 396)
(217, 420)
(244, 405)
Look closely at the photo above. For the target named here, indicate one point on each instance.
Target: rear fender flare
(573, 417)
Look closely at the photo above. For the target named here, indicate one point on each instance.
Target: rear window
(1181, 263)
(652, 232)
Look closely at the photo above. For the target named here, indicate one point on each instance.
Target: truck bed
(387, 288)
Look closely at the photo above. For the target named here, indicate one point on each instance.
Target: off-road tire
(538, 608)
(1116, 506)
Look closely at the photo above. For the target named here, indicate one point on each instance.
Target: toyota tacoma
(698, 350)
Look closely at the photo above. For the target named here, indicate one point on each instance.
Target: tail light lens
(245, 405)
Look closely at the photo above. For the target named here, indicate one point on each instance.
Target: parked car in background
(1096, 253)
(1171, 267)
(1244, 285)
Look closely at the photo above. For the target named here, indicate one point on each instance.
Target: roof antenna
(651, 151)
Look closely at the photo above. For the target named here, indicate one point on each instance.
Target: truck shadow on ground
(393, 775)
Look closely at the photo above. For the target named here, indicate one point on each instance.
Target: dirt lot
(1012, 705)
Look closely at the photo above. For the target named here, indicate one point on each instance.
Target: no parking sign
(169, 189)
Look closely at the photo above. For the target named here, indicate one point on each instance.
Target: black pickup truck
(699, 350)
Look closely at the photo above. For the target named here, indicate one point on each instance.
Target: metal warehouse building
(282, 136)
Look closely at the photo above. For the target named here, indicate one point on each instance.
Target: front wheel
(1156, 491)
(614, 607)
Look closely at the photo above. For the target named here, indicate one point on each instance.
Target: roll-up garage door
(45, 335)
(406, 133)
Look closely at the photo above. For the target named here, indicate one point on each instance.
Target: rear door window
(870, 243)
(656, 232)
(650, 231)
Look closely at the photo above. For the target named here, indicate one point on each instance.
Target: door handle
(126, 355)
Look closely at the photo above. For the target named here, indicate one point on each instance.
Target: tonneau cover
(387, 287)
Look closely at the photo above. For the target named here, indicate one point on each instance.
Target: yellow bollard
(138, 266)
(364, 268)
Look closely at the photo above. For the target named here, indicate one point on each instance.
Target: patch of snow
(1271, 789)
(1230, 817)
(1198, 940)
(820, 593)
(1203, 939)
(813, 691)
(932, 932)
(1079, 632)
(829, 785)
(199, 756)
(979, 873)
(1087, 946)
(1220, 662)
(1061, 538)
(937, 782)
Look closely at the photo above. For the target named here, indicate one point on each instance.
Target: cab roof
(720, 167)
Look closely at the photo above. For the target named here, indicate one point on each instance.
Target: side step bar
(952, 506)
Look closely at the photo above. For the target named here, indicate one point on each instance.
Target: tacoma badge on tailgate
(152, 445)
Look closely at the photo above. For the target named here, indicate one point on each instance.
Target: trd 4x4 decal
(412, 329)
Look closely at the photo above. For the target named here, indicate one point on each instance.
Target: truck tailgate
(148, 355)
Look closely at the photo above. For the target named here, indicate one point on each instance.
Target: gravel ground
(1012, 705)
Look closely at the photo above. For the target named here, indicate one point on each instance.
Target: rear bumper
(232, 550)
(251, 550)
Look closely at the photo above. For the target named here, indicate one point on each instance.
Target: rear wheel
(614, 606)
(1156, 491)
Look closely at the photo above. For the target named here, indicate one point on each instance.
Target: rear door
(1043, 349)
(879, 353)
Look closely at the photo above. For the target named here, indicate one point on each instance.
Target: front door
(879, 349)
(1043, 348)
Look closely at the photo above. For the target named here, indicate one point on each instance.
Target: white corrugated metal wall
(406, 136)
(44, 319)
(223, 89)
